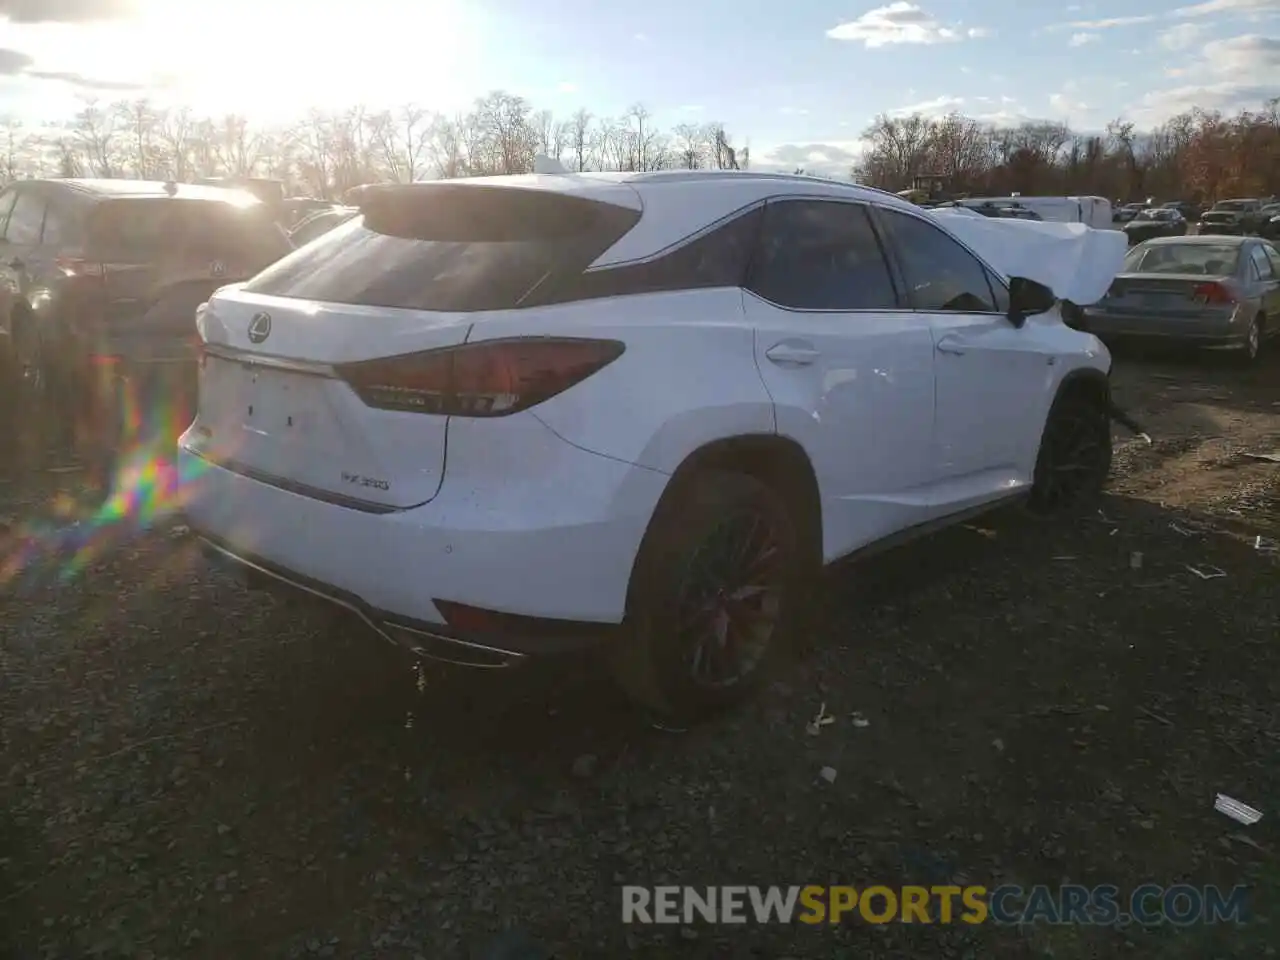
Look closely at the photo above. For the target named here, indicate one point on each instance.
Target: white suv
(513, 416)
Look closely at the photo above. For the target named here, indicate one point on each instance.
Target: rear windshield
(149, 228)
(1233, 206)
(1210, 259)
(449, 248)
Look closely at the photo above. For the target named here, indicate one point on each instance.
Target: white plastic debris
(1207, 573)
(828, 774)
(1237, 811)
(860, 721)
(823, 719)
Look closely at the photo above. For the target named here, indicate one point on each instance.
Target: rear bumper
(431, 640)
(547, 558)
(1205, 333)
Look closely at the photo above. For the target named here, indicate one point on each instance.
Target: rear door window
(821, 255)
(450, 248)
(163, 228)
(1261, 264)
(25, 220)
(6, 204)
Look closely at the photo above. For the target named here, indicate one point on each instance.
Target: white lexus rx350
(513, 416)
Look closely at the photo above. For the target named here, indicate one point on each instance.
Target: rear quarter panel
(688, 375)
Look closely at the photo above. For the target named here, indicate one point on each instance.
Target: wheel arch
(779, 462)
(1084, 381)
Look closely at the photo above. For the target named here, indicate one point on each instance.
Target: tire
(30, 375)
(1252, 342)
(1075, 456)
(683, 617)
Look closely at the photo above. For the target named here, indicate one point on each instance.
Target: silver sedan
(1211, 291)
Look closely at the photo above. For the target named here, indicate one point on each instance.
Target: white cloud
(1212, 7)
(937, 107)
(1066, 106)
(567, 88)
(1080, 39)
(1181, 36)
(1107, 23)
(1237, 73)
(831, 159)
(1249, 55)
(1248, 8)
(901, 22)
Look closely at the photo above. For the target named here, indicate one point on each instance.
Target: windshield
(1209, 259)
(1232, 206)
(1157, 215)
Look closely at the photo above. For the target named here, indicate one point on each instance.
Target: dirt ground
(187, 770)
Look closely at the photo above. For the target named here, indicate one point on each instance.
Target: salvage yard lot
(192, 771)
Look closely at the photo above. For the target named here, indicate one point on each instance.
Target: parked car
(1270, 222)
(513, 416)
(104, 277)
(1232, 217)
(1189, 211)
(1212, 291)
(320, 223)
(1127, 212)
(296, 209)
(1157, 222)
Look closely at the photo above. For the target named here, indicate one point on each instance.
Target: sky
(799, 80)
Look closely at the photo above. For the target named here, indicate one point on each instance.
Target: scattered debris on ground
(188, 770)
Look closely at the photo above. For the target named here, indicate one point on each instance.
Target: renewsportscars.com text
(1105, 905)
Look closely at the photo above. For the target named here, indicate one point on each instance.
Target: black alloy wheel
(730, 600)
(1075, 455)
(718, 594)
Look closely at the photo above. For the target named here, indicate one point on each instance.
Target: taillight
(1212, 293)
(491, 379)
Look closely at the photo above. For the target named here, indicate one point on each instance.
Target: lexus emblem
(259, 327)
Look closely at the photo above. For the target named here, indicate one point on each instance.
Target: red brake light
(1212, 293)
(490, 379)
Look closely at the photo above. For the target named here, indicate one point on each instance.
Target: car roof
(104, 189)
(674, 204)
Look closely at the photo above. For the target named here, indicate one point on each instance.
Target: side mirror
(1028, 298)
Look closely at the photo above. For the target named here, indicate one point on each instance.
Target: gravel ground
(189, 770)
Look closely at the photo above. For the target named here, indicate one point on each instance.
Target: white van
(1094, 212)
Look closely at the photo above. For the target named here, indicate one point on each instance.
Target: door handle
(792, 352)
(953, 346)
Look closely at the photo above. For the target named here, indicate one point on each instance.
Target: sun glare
(271, 57)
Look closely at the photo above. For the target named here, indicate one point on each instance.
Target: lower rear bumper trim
(424, 640)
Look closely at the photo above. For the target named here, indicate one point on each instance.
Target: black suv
(99, 285)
